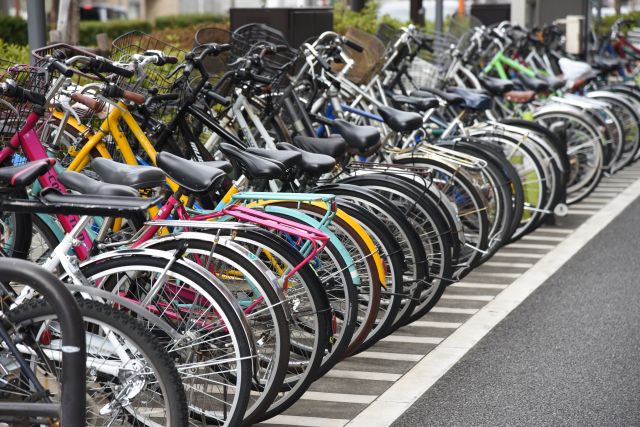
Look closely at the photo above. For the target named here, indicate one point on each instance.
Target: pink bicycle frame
(317, 238)
(27, 139)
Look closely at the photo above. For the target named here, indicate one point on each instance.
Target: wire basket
(158, 79)
(14, 112)
(388, 35)
(261, 33)
(424, 74)
(83, 80)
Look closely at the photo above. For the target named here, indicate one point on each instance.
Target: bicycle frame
(27, 139)
(498, 62)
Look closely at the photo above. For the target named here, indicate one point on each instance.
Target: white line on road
(411, 339)
(401, 395)
(510, 254)
(468, 297)
(582, 212)
(452, 310)
(401, 357)
(529, 246)
(438, 325)
(478, 285)
(495, 274)
(590, 206)
(508, 264)
(294, 420)
(543, 238)
(339, 397)
(555, 230)
(362, 375)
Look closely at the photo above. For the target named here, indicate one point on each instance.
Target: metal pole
(439, 13)
(37, 24)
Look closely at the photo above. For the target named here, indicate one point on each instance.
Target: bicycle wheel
(471, 209)
(214, 353)
(393, 292)
(365, 259)
(584, 147)
(430, 227)
(131, 380)
(415, 269)
(263, 307)
(314, 324)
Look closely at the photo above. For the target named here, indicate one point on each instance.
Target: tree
(416, 12)
(68, 27)
(617, 5)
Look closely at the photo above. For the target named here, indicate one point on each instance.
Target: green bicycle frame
(498, 62)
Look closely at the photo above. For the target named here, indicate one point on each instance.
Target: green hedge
(607, 21)
(13, 30)
(89, 29)
(181, 21)
(365, 19)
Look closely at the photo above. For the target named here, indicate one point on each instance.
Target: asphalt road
(568, 356)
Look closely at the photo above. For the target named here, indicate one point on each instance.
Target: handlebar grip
(166, 97)
(100, 65)
(170, 60)
(223, 47)
(135, 97)
(11, 89)
(61, 68)
(260, 79)
(89, 102)
(213, 96)
(353, 45)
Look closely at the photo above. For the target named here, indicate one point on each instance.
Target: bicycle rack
(72, 406)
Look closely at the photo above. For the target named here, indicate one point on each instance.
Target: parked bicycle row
(236, 219)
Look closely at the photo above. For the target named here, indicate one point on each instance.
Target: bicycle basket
(13, 112)
(158, 79)
(388, 35)
(81, 78)
(424, 74)
(256, 33)
(369, 62)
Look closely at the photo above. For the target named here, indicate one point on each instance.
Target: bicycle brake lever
(175, 70)
(68, 108)
(103, 98)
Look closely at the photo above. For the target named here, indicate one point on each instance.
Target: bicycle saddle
(334, 146)
(520, 96)
(473, 99)
(449, 98)
(195, 177)
(25, 174)
(605, 63)
(139, 177)
(496, 86)
(251, 165)
(360, 138)
(85, 185)
(313, 164)
(288, 158)
(554, 82)
(533, 83)
(398, 120)
(423, 103)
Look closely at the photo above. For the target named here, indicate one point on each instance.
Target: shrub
(182, 21)
(13, 30)
(607, 21)
(14, 53)
(365, 20)
(89, 29)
